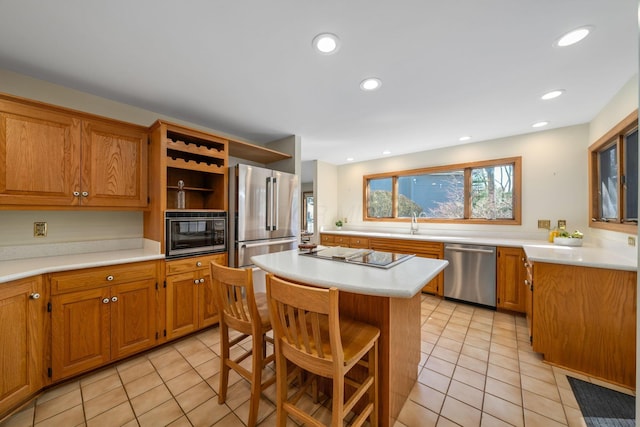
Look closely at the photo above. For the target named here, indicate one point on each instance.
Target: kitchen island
(387, 298)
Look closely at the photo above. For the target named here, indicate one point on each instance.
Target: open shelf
(255, 153)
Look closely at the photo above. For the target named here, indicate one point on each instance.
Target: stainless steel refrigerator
(263, 213)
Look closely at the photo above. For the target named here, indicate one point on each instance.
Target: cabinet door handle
(526, 282)
(198, 264)
(85, 194)
(34, 295)
(109, 278)
(202, 280)
(106, 301)
(114, 299)
(196, 281)
(76, 194)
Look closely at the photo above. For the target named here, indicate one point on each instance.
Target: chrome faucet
(414, 224)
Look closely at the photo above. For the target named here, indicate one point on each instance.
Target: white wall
(553, 173)
(326, 202)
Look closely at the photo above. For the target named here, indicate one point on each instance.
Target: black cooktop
(366, 257)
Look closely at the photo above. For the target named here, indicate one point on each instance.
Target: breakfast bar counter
(387, 298)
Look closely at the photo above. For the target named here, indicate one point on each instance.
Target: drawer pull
(106, 301)
(34, 295)
(199, 264)
(109, 278)
(114, 299)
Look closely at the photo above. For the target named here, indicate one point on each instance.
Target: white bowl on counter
(567, 241)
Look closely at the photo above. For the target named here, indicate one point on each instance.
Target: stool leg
(337, 406)
(256, 379)
(373, 391)
(224, 367)
(282, 387)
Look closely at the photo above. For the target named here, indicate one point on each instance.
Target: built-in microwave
(190, 232)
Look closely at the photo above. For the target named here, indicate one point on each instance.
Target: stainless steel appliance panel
(286, 217)
(245, 250)
(195, 232)
(263, 205)
(471, 273)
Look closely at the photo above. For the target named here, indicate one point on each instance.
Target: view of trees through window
(440, 194)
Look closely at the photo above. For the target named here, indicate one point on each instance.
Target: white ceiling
(449, 67)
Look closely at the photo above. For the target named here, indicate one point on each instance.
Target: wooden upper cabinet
(39, 156)
(52, 157)
(114, 165)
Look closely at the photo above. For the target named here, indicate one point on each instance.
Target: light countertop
(403, 280)
(588, 255)
(20, 268)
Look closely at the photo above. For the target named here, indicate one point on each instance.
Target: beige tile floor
(477, 369)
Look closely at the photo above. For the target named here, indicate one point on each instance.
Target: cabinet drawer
(327, 239)
(101, 276)
(195, 263)
(358, 242)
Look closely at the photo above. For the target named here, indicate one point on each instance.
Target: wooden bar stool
(248, 313)
(309, 333)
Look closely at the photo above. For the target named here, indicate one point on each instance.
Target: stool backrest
(305, 323)
(233, 293)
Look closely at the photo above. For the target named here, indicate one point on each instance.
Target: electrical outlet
(344, 220)
(631, 241)
(562, 223)
(544, 223)
(39, 229)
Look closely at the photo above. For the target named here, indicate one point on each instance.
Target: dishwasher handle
(481, 251)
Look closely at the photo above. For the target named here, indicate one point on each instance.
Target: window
(482, 192)
(613, 165)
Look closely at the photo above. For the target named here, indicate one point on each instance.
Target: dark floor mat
(602, 407)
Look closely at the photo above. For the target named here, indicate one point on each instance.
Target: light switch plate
(39, 229)
(631, 241)
(562, 223)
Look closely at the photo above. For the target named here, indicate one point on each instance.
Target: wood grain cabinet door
(21, 337)
(39, 156)
(511, 274)
(133, 322)
(114, 165)
(207, 304)
(80, 331)
(182, 304)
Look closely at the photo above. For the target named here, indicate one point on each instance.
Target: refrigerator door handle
(276, 204)
(267, 221)
(276, 242)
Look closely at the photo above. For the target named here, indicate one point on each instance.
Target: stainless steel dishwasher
(471, 273)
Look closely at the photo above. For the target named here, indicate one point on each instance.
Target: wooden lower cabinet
(190, 302)
(584, 319)
(423, 249)
(419, 247)
(22, 315)
(101, 323)
(511, 274)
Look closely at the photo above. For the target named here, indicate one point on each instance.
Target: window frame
(466, 167)
(615, 136)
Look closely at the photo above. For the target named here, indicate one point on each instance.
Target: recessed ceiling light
(385, 152)
(553, 94)
(372, 83)
(349, 159)
(464, 138)
(326, 43)
(539, 124)
(574, 36)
